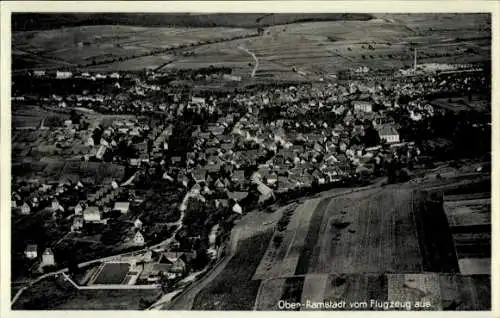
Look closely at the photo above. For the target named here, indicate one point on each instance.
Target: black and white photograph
(250, 161)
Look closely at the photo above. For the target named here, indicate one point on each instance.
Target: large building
(388, 133)
(92, 214)
(362, 106)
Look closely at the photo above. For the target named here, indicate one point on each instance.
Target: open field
(314, 288)
(440, 291)
(87, 44)
(32, 116)
(367, 232)
(270, 292)
(355, 288)
(115, 299)
(137, 64)
(415, 287)
(112, 273)
(389, 243)
(465, 292)
(325, 45)
(317, 48)
(473, 266)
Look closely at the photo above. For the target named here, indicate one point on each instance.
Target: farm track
(312, 236)
(254, 70)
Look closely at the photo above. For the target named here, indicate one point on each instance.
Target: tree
(277, 240)
(145, 303)
(371, 137)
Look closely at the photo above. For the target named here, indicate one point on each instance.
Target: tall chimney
(415, 60)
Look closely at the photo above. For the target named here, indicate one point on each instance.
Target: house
(78, 209)
(238, 176)
(173, 262)
(198, 100)
(216, 130)
(138, 224)
(175, 160)
(223, 203)
(388, 133)
(92, 214)
(237, 195)
(227, 146)
(265, 192)
(31, 251)
(331, 159)
(272, 178)
(183, 179)
(233, 78)
(100, 152)
(219, 184)
(55, 204)
(199, 175)
(48, 258)
(196, 189)
(319, 177)
(39, 73)
(362, 106)
(63, 75)
(77, 223)
(237, 208)
(25, 209)
(138, 238)
(213, 167)
(123, 207)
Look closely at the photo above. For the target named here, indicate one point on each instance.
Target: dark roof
(387, 130)
(237, 195)
(31, 248)
(48, 251)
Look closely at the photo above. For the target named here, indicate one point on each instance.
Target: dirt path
(255, 59)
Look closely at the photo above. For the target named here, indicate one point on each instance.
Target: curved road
(185, 300)
(255, 59)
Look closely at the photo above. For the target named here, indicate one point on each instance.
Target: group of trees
(467, 132)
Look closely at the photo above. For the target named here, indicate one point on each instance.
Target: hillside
(384, 244)
(45, 21)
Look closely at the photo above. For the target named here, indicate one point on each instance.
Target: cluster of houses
(298, 149)
(68, 74)
(46, 259)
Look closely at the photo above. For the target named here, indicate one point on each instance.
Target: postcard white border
(358, 6)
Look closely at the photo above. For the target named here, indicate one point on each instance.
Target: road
(129, 181)
(99, 260)
(255, 59)
(185, 300)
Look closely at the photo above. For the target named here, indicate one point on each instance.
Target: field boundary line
(256, 302)
(293, 237)
(416, 229)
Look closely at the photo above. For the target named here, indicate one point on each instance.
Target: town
(136, 179)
